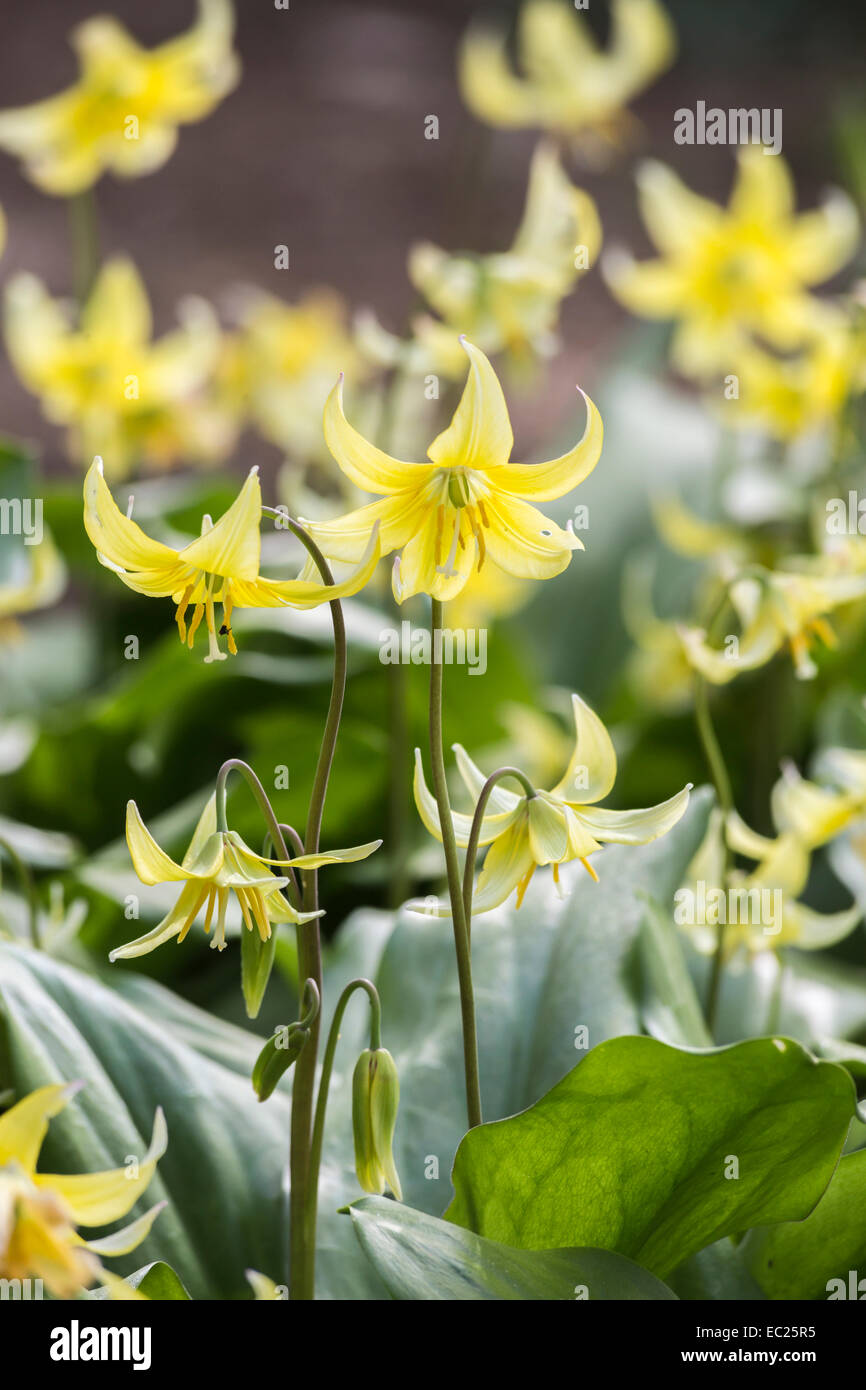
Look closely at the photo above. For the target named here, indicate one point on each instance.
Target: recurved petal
(479, 435)
(116, 536)
(541, 482)
(674, 216)
(634, 827)
(651, 289)
(508, 860)
(189, 903)
(501, 798)
(347, 538)
(813, 813)
(117, 310)
(548, 829)
(368, 467)
(94, 1199)
(232, 548)
(428, 810)
(821, 242)
(816, 931)
(309, 593)
(758, 644)
(151, 863)
(763, 192)
(523, 541)
(24, 1126)
(489, 84)
(591, 771)
(330, 856)
(128, 1238)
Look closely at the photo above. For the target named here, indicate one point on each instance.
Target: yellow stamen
(589, 869)
(180, 614)
(227, 622)
(192, 916)
(257, 903)
(242, 899)
(194, 625)
(825, 632)
(210, 907)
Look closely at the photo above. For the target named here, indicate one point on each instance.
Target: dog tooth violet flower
(122, 113)
(218, 863)
(568, 84)
(728, 274)
(116, 390)
(552, 827)
(220, 567)
(445, 516)
(775, 608)
(39, 1212)
(375, 1099)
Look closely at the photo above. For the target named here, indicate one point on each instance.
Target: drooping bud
(278, 1054)
(375, 1099)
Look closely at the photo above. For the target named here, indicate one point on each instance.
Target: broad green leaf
(222, 1173)
(716, 1274)
(798, 1260)
(420, 1257)
(156, 1281)
(635, 1150)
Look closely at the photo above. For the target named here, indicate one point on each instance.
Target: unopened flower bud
(278, 1054)
(375, 1098)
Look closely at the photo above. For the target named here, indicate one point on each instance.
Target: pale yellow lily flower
(122, 113)
(775, 608)
(280, 366)
(760, 911)
(568, 84)
(39, 1212)
(696, 537)
(37, 580)
(445, 516)
(729, 274)
(509, 301)
(219, 863)
(552, 827)
(118, 392)
(222, 566)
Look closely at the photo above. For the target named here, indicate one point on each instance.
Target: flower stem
(25, 878)
(84, 235)
(455, 887)
(722, 783)
(328, 1064)
(475, 832)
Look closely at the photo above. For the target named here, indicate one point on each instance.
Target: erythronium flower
(445, 516)
(123, 112)
(39, 1212)
(37, 582)
(119, 392)
(222, 566)
(507, 301)
(758, 910)
(218, 863)
(775, 608)
(552, 827)
(569, 85)
(727, 274)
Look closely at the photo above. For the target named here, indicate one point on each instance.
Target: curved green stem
(303, 1200)
(475, 831)
(722, 783)
(455, 887)
(28, 885)
(328, 1064)
(84, 235)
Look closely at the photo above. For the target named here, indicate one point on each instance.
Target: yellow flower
(218, 863)
(447, 515)
(550, 827)
(730, 273)
(280, 366)
(657, 668)
(787, 396)
(509, 301)
(775, 608)
(119, 393)
(759, 911)
(570, 86)
(123, 112)
(222, 566)
(39, 1212)
(489, 593)
(36, 583)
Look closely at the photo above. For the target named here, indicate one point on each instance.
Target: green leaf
(420, 1257)
(222, 1172)
(156, 1281)
(671, 1009)
(632, 1151)
(798, 1260)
